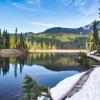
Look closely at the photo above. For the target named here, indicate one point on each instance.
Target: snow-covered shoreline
(91, 55)
(89, 91)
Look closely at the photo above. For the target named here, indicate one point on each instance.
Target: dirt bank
(11, 53)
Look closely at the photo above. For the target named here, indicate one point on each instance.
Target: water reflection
(50, 61)
(45, 68)
(4, 65)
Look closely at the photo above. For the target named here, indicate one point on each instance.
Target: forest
(44, 41)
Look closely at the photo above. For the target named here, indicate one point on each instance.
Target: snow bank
(94, 57)
(92, 52)
(91, 55)
(89, 91)
(60, 90)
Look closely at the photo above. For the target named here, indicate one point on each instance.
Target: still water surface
(46, 69)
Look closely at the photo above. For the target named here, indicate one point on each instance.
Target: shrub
(31, 89)
(84, 61)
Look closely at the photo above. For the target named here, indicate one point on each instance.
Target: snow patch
(64, 86)
(89, 91)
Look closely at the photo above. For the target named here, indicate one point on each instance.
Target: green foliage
(31, 88)
(98, 47)
(16, 38)
(43, 41)
(5, 39)
(0, 40)
(95, 33)
(96, 36)
(89, 44)
(12, 42)
(56, 41)
(84, 61)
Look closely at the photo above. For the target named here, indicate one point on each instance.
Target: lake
(45, 68)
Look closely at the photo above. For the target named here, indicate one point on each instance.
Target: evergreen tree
(95, 34)
(0, 40)
(12, 42)
(16, 38)
(8, 40)
(35, 45)
(21, 41)
(44, 46)
(49, 46)
(4, 39)
(29, 87)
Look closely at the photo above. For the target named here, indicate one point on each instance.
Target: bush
(84, 61)
(31, 89)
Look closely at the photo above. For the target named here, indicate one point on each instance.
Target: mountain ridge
(81, 30)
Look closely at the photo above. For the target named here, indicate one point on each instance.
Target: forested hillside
(44, 41)
(58, 41)
(79, 30)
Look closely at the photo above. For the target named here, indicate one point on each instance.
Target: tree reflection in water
(51, 61)
(4, 65)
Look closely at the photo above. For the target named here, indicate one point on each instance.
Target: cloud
(44, 24)
(40, 26)
(31, 1)
(90, 13)
(67, 2)
(34, 2)
(74, 2)
(79, 2)
(18, 5)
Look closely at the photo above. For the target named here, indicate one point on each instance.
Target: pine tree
(21, 41)
(4, 39)
(29, 87)
(16, 38)
(7, 40)
(12, 42)
(0, 40)
(95, 33)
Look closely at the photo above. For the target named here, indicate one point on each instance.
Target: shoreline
(93, 56)
(10, 53)
(16, 52)
(59, 51)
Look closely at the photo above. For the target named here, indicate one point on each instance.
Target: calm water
(45, 69)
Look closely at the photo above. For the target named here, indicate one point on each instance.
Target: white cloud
(44, 24)
(89, 14)
(34, 2)
(79, 2)
(17, 5)
(74, 2)
(31, 1)
(88, 11)
(67, 2)
(40, 26)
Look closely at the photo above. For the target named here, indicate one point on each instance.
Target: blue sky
(38, 15)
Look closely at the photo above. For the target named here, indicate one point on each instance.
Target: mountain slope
(83, 30)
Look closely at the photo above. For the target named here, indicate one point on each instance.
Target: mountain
(81, 30)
